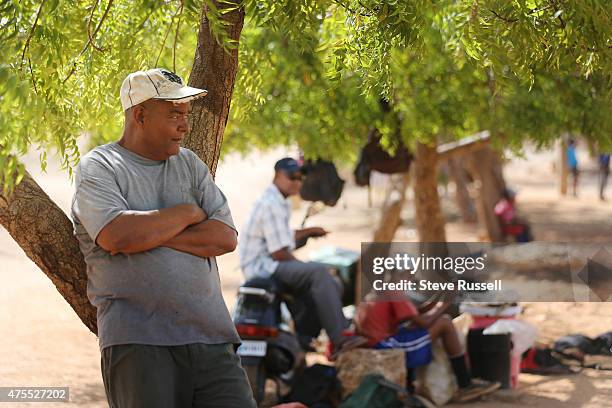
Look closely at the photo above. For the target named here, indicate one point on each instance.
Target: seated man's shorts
(415, 342)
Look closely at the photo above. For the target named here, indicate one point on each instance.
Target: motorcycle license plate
(252, 348)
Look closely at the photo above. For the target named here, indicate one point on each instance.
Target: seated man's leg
(417, 343)
(445, 329)
(468, 390)
(144, 376)
(314, 278)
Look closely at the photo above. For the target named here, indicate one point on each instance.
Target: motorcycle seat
(262, 283)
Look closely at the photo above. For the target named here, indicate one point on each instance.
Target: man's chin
(173, 149)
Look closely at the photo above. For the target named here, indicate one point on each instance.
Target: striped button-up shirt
(266, 231)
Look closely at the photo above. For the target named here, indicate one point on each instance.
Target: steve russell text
(427, 285)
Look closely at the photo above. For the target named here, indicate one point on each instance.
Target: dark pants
(192, 375)
(603, 180)
(314, 279)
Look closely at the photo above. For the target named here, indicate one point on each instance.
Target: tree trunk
(485, 167)
(44, 233)
(214, 69)
(428, 213)
(462, 195)
(390, 217)
(49, 241)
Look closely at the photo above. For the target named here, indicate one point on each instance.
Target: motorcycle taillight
(251, 330)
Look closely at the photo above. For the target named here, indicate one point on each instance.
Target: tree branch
(89, 35)
(507, 20)
(350, 10)
(90, 40)
(32, 75)
(161, 50)
(558, 14)
(27, 43)
(214, 69)
(49, 242)
(176, 33)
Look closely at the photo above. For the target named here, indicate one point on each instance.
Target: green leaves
(63, 63)
(450, 69)
(312, 71)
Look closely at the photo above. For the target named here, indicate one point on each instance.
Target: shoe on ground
(477, 389)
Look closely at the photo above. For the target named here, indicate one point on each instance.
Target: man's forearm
(427, 319)
(301, 234)
(283, 255)
(138, 231)
(206, 239)
(430, 303)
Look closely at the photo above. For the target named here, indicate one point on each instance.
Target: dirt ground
(43, 343)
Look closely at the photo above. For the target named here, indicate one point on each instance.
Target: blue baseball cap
(288, 165)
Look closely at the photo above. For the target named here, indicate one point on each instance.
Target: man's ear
(138, 114)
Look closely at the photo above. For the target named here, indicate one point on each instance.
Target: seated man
(511, 224)
(390, 320)
(266, 250)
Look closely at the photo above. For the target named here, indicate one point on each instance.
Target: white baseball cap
(157, 83)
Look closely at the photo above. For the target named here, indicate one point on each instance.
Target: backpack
(316, 387)
(321, 183)
(374, 157)
(362, 171)
(375, 391)
(542, 361)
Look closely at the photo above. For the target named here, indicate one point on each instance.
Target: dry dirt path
(42, 342)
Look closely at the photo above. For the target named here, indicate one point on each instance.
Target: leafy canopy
(311, 71)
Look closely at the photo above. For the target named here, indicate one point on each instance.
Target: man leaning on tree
(150, 221)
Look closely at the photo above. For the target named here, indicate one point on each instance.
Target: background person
(266, 250)
(511, 223)
(572, 164)
(389, 320)
(604, 172)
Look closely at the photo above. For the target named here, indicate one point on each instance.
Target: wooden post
(462, 195)
(428, 212)
(390, 217)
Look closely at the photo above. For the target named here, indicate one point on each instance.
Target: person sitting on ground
(512, 225)
(390, 320)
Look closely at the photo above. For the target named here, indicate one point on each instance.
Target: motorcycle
(270, 345)
(277, 329)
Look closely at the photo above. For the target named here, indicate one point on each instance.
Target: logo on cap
(171, 76)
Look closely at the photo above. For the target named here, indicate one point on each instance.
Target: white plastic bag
(436, 380)
(523, 334)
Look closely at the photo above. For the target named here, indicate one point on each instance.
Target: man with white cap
(150, 221)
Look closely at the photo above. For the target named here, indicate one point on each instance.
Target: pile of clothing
(567, 355)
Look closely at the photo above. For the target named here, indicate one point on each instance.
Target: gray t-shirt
(161, 296)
